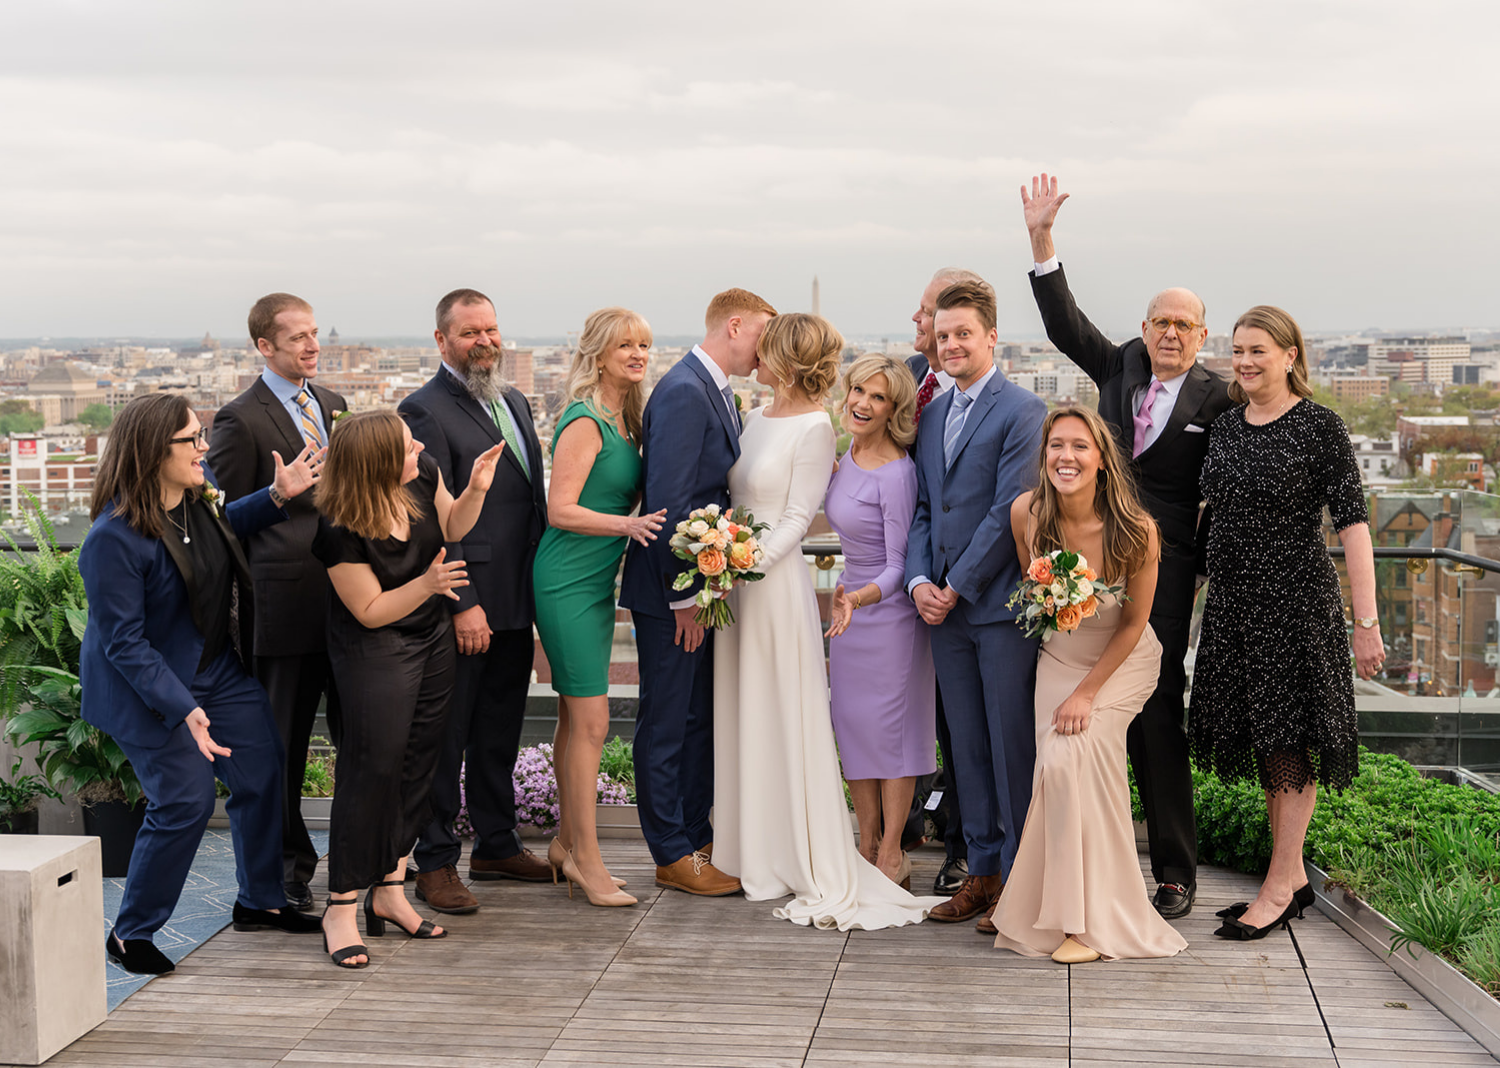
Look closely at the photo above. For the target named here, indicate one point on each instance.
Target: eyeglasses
(1184, 326)
(198, 440)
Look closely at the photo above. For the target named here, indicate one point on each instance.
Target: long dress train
(780, 821)
(1076, 870)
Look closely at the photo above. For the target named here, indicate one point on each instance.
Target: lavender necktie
(1143, 422)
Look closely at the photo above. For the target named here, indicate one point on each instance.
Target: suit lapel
(1189, 398)
(329, 404)
(172, 541)
(280, 418)
(473, 409)
(977, 411)
(716, 401)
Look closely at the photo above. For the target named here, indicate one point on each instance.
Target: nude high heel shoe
(1073, 951)
(556, 854)
(570, 872)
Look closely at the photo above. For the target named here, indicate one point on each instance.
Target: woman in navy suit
(163, 660)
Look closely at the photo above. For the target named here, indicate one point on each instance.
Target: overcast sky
(162, 164)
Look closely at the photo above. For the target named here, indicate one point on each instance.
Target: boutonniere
(739, 403)
(213, 498)
(336, 416)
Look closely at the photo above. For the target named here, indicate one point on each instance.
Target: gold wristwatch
(1367, 621)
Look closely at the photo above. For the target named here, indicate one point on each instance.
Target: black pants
(953, 829)
(484, 729)
(395, 693)
(294, 685)
(1157, 744)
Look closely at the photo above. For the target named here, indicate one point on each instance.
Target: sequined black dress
(1273, 678)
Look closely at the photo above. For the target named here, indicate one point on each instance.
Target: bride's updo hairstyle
(803, 351)
(1127, 526)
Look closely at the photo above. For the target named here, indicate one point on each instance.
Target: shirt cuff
(914, 583)
(1047, 267)
(675, 605)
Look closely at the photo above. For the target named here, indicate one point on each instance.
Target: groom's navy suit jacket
(689, 443)
(961, 537)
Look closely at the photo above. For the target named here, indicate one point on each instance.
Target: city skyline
(177, 160)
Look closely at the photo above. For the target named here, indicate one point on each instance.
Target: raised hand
(840, 614)
(643, 528)
(300, 475)
(483, 473)
(444, 578)
(1040, 209)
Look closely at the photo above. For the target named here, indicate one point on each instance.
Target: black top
(395, 562)
(212, 571)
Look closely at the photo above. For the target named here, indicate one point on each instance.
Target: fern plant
(43, 607)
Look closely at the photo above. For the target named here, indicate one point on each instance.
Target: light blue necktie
(955, 425)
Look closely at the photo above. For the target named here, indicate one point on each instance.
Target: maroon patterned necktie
(924, 395)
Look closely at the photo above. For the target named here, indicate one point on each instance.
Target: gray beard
(485, 384)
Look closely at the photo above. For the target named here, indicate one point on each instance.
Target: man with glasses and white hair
(1160, 403)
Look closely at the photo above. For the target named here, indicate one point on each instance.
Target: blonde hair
(360, 488)
(803, 351)
(602, 331)
(1127, 526)
(734, 302)
(1285, 334)
(901, 391)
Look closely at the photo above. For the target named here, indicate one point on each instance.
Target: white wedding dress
(780, 821)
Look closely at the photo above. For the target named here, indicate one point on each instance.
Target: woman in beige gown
(1076, 891)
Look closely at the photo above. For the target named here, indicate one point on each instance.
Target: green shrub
(617, 760)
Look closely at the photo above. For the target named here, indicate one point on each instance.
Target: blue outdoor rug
(202, 912)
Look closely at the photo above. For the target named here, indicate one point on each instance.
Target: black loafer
(1174, 901)
(289, 920)
(951, 876)
(298, 896)
(138, 955)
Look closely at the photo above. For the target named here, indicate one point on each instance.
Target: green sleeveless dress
(574, 574)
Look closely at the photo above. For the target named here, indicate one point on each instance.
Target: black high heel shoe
(341, 956)
(1303, 897)
(1237, 931)
(375, 923)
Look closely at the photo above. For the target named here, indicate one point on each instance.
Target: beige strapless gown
(1076, 870)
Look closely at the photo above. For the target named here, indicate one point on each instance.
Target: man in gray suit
(284, 412)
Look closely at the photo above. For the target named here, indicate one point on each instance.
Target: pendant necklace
(181, 528)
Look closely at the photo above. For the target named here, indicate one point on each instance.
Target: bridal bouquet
(722, 547)
(1059, 591)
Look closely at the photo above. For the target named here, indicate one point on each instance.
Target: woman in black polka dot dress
(1273, 698)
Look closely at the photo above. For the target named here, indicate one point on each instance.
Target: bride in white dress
(780, 820)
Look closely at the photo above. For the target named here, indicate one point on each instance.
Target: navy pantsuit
(139, 668)
(961, 537)
(689, 441)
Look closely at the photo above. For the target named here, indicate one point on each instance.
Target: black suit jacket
(500, 549)
(1167, 472)
(919, 368)
(291, 588)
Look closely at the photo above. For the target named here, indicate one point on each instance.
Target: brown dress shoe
(986, 924)
(977, 894)
(443, 890)
(525, 865)
(693, 874)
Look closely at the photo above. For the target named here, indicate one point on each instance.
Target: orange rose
(734, 528)
(1040, 570)
(1090, 606)
(1090, 574)
(711, 562)
(741, 555)
(1069, 616)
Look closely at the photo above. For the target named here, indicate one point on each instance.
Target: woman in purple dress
(882, 682)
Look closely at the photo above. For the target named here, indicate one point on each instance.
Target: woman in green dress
(596, 484)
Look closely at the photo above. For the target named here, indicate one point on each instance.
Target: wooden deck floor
(534, 978)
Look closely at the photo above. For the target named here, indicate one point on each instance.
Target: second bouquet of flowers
(722, 547)
(1059, 592)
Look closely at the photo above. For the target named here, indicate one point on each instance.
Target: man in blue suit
(689, 440)
(976, 452)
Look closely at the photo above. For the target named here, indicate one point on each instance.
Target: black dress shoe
(298, 896)
(1174, 901)
(138, 955)
(951, 876)
(289, 920)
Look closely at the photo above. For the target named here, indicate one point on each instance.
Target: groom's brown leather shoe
(693, 874)
(976, 895)
(986, 924)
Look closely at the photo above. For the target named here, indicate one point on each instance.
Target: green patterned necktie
(501, 415)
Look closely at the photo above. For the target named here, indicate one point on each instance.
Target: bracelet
(276, 498)
(856, 598)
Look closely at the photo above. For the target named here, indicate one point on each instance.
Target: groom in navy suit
(690, 438)
(976, 452)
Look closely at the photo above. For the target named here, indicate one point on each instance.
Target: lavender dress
(883, 703)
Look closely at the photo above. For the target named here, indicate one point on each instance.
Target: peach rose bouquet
(723, 548)
(1059, 592)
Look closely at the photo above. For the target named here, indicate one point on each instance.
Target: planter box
(315, 812)
(610, 821)
(1453, 993)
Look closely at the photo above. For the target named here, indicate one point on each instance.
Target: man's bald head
(1184, 294)
(1174, 330)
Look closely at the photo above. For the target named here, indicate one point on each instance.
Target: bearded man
(464, 410)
